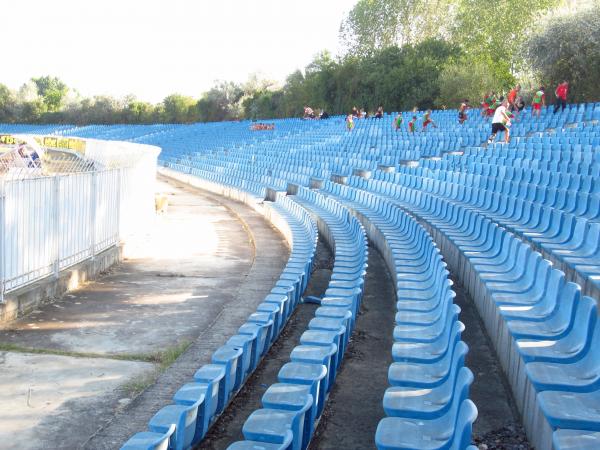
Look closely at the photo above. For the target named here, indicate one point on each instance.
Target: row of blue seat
(197, 404)
(566, 193)
(427, 405)
(591, 168)
(545, 333)
(569, 233)
(555, 180)
(292, 407)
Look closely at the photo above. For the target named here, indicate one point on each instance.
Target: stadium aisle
(195, 274)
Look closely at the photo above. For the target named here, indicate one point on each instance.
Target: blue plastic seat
(292, 397)
(427, 333)
(230, 358)
(247, 344)
(575, 440)
(323, 338)
(451, 430)
(313, 375)
(428, 375)
(316, 354)
(261, 333)
(571, 347)
(148, 440)
(428, 352)
(427, 403)
(196, 394)
(273, 425)
(571, 410)
(184, 418)
(286, 444)
(213, 375)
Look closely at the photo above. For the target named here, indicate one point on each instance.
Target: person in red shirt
(561, 96)
(412, 124)
(512, 98)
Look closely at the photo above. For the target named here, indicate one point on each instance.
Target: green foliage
(7, 104)
(52, 91)
(494, 30)
(568, 48)
(377, 24)
(467, 79)
(178, 109)
(137, 111)
(220, 103)
(399, 54)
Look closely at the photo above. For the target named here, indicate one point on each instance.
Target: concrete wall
(27, 298)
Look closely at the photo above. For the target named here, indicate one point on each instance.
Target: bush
(568, 48)
(467, 79)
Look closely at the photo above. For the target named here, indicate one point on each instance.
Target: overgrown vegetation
(398, 53)
(162, 358)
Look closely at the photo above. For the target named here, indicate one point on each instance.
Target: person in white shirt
(501, 122)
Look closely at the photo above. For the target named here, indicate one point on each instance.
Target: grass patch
(137, 385)
(162, 358)
(6, 347)
(167, 357)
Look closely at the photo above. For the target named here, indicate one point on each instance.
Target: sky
(153, 48)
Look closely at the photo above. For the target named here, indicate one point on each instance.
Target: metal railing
(49, 223)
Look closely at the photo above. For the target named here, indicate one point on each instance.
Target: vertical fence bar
(119, 203)
(43, 221)
(2, 240)
(56, 224)
(94, 199)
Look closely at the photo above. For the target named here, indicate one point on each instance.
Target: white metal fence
(50, 223)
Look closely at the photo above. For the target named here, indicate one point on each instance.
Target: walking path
(70, 370)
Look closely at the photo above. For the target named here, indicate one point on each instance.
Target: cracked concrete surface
(193, 276)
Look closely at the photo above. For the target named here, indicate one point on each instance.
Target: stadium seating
(197, 404)
(428, 377)
(297, 401)
(518, 224)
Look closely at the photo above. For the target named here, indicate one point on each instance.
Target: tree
(493, 31)
(294, 95)
(568, 48)
(52, 90)
(179, 109)
(222, 102)
(377, 24)
(465, 79)
(136, 111)
(7, 105)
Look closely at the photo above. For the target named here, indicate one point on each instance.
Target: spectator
(427, 120)
(324, 115)
(561, 96)
(512, 97)
(379, 113)
(22, 151)
(398, 121)
(539, 100)
(355, 112)
(520, 103)
(488, 106)
(501, 122)
(309, 113)
(350, 122)
(412, 124)
(462, 111)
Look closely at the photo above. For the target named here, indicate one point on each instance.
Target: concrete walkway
(191, 278)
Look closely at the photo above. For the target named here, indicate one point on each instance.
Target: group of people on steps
(501, 110)
(509, 108)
